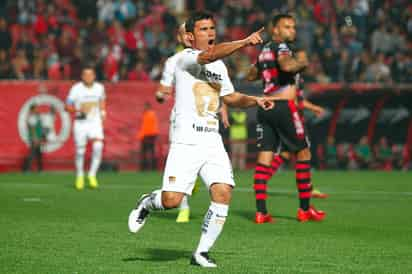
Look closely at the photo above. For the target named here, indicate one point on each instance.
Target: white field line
(237, 189)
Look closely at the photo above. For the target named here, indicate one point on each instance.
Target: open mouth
(211, 42)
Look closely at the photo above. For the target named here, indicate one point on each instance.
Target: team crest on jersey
(55, 121)
(266, 55)
(172, 179)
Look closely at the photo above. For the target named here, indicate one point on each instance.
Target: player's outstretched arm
(316, 109)
(222, 50)
(237, 99)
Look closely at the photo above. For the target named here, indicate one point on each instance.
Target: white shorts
(85, 130)
(185, 162)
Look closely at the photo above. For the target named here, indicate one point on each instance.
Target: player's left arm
(316, 109)
(240, 100)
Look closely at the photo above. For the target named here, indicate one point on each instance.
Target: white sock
(79, 161)
(212, 226)
(185, 203)
(96, 157)
(155, 201)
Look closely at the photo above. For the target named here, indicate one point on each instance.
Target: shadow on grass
(159, 255)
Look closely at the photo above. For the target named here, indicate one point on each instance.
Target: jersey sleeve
(103, 95)
(71, 98)
(227, 86)
(188, 58)
(168, 73)
(283, 49)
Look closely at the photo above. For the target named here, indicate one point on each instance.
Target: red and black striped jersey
(268, 67)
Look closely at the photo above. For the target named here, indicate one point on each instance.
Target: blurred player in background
(279, 65)
(197, 146)
(87, 101)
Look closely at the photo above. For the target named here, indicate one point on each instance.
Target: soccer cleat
(320, 212)
(79, 183)
(261, 218)
(138, 216)
(202, 259)
(183, 216)
(310, 215)
(93, 181)
(316, 193)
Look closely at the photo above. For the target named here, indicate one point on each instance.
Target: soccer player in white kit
(197, 147)
(87, 100)
(163, 92)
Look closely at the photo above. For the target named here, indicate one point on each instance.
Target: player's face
(88, 76)
(286, 30)
(204, 34)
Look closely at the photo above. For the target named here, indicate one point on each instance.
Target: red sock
(277, 161)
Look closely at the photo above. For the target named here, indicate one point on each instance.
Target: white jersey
(168, 75)
(87, 100)
(168, 80)
(198, 88)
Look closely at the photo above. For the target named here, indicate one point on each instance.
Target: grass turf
(48, 227)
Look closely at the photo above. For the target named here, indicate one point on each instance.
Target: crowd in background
(380, 156)
(347, 41)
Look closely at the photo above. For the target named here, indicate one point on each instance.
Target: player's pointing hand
(265, 103)
(255, 38)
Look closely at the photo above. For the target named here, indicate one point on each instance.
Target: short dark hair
(88, 66)
(197, 16)
(281, 16)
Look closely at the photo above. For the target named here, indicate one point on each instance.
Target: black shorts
(281, 128)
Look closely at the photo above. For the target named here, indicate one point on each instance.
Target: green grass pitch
(48, 227)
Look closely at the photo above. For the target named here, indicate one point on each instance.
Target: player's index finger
(261, 29)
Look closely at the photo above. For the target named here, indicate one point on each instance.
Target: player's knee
(221, 193)
(285, 155)
(98, 144)
(304, 155)
(265, 157)
(171, 199)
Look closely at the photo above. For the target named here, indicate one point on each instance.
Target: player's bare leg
(215, 217)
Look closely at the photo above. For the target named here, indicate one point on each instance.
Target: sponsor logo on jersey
(55, 121)
(211, 76)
